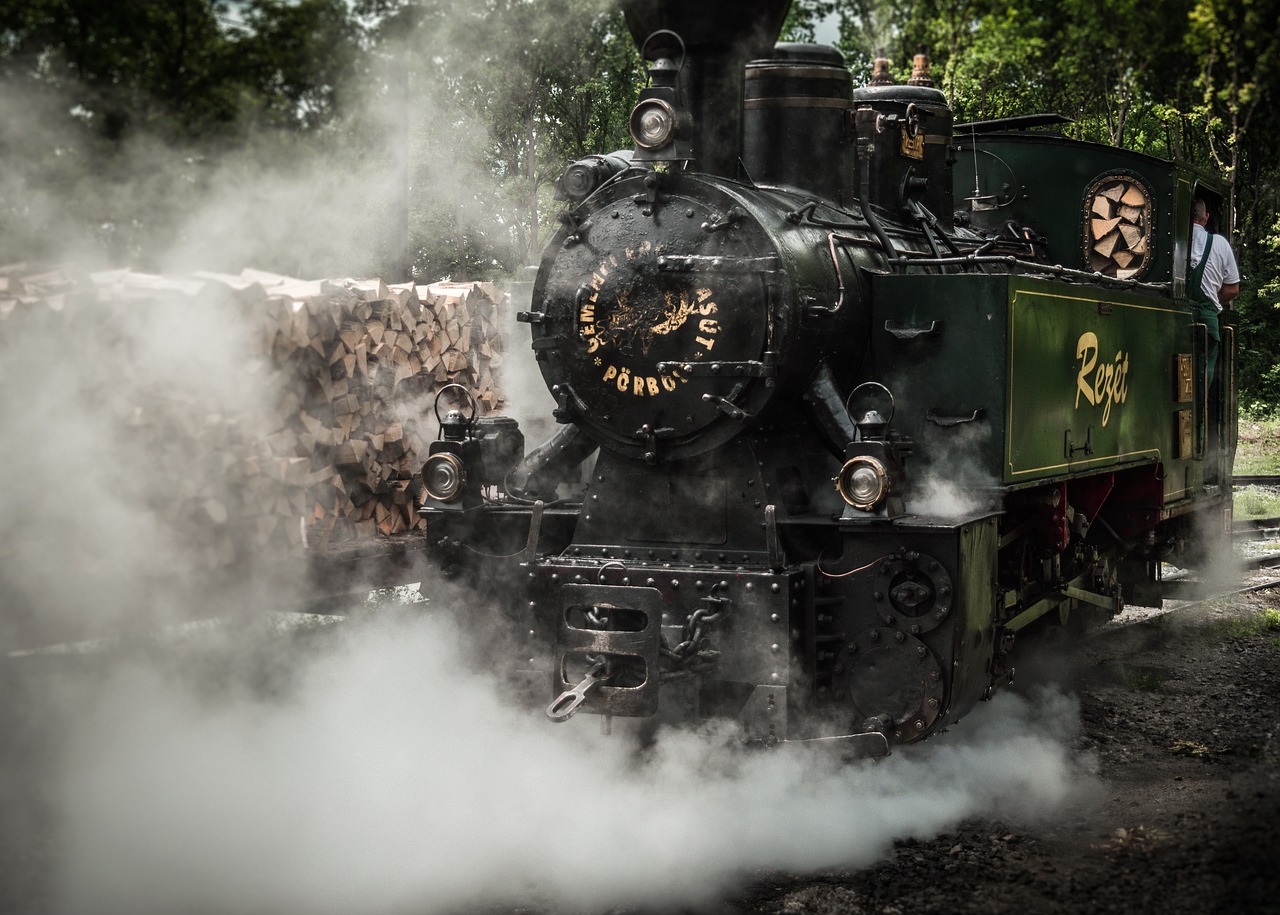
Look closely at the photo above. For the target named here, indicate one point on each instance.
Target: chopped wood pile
(343, 374)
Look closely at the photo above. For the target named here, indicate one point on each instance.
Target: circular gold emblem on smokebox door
(631, 327)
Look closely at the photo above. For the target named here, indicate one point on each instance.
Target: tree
(300, 56)
(95, 93)
(520, 89)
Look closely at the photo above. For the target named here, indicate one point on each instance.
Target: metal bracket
(908, 333)
(643, 644)
(945, 421)
(648, 201)
(577, 223)
(1071, 449)
(567, 403)
(726, 221)
(535, 530)
(772, 542)
(764, 369)
(650, 436)
(728, 407)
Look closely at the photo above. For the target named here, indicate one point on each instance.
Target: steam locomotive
(851, 397)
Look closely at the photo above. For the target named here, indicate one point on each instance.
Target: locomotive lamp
(653, 123)
(863, 482)
(872, 480)
(451, 476)
(582, 178)
(443, 476)
(452, 464)
(659, 124)
(472, 452)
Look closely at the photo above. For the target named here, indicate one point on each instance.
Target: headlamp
(863, 482)
(653, 123)
(578, 181)
(443, 476)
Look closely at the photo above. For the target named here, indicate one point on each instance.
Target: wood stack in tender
(317, 411)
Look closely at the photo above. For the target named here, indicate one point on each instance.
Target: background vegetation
(441, 125)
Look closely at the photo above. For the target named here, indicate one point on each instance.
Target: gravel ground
(1181, 711)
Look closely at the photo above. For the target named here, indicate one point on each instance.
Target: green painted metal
(1083, 392)
(1025, 380)
(1041, 180)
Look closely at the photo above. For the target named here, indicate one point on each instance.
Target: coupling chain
(693, 655)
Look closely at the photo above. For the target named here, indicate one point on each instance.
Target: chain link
(693, 656)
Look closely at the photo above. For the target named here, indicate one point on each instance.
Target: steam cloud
(391, 777)
(377, 772)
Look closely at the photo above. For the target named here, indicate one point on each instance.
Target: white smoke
(391, 777)
(957, 483)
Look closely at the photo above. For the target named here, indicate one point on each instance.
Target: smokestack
(719, 37)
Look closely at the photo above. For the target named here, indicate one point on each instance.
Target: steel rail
(1264, 479)
(1255, 528)
(1248, 589)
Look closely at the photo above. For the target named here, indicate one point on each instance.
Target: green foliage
(1252, 502)
(299, 56)
(1253, 624)
(1256, 317)
(471, 109)
(803, 19)
(93, 93)
(508, 93)
(1258, 448)
(183, 69)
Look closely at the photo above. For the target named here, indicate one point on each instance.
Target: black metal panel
(908, 130)
(751, 24)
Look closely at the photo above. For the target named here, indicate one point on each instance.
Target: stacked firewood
(345, 375)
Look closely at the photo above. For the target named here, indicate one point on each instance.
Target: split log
(1101, 227)
(1106, 245)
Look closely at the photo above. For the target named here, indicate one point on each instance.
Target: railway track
(1256, 480)
(1255, 529)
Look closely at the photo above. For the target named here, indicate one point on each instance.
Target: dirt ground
(1182, 712)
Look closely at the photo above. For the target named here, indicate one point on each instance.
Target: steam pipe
(827, 412)
(864, 200)
(566, 449)
(874, 221)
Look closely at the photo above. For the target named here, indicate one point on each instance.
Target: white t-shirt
(1221, 269)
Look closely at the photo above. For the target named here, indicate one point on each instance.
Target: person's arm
(1230, 277)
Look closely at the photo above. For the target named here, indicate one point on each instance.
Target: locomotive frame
(768, 329)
